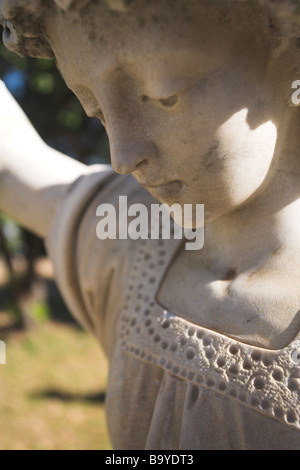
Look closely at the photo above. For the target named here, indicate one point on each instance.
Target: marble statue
(196, 98)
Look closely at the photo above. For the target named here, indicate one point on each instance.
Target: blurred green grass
(52, 390)
(53, 386)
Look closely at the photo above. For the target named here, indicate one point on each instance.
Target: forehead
(153, 35)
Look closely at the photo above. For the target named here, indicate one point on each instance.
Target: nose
(128, 123)
(129, 155)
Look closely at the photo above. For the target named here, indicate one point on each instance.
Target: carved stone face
(183, 95)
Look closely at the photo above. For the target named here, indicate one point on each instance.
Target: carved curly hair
(24, 20)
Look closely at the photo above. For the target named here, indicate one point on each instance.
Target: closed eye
(172, 100)
(169, 102)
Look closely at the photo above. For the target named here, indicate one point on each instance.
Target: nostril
(125, 167)
(142, 163)
(129, 155)
(144, 98)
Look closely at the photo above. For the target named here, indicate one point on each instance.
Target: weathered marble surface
(196, 99)
(24, 23)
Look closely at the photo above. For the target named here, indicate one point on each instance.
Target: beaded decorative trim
(265, 380)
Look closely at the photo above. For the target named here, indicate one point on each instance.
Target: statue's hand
(16, 132)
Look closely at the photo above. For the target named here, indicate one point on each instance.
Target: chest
(259, 308)
(264, 379)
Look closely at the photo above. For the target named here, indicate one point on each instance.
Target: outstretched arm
(33, 176)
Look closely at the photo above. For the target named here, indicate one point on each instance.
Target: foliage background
(52, 389)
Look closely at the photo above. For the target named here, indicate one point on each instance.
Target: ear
(21, 23)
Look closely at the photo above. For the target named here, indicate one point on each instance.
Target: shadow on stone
(66, 397)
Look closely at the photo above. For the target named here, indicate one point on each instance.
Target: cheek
(247, 154)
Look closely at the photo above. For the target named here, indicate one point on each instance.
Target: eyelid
(88, 101)
(171, 100)
(168, 102)
(98, 113)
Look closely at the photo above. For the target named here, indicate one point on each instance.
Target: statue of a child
(195, 96)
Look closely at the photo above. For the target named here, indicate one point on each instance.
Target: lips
(161, 185)
(165, 190)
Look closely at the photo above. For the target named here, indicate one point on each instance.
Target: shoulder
(90, 271)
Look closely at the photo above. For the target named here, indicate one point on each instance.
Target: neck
(270, 221)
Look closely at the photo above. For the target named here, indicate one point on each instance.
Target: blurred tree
(62, 123)
(53, 109)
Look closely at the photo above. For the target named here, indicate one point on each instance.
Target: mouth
(164, 190)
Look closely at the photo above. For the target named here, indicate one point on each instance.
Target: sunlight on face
(178, 103)
(247, 155)
(252, 151)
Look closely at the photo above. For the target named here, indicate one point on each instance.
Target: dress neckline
(170, 254)
(264, 379)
